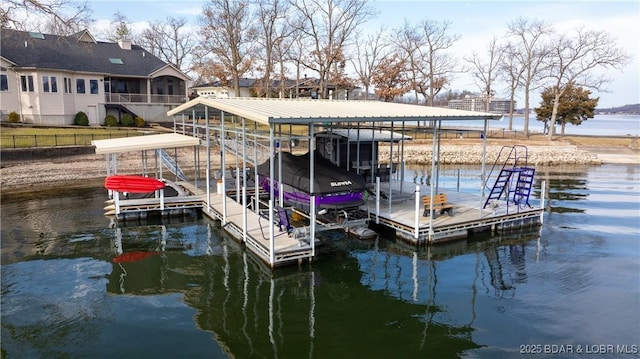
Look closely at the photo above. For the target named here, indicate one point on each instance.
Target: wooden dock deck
(143, 205)
(468, 215)
(287, 248)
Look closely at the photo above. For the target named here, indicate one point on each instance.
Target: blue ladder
(515, 179)
(523, 186)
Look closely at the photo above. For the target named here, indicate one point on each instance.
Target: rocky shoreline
(90, 170)
(466, 154)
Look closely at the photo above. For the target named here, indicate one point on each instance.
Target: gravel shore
(90, 170)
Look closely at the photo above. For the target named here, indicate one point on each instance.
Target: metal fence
(27, 141)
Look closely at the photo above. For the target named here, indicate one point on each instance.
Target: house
(219, 89)
(305, 88)
(479, 103)
(47, 79)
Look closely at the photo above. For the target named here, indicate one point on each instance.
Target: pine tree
(575, 106)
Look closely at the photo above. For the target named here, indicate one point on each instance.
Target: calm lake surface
(187, 290)
(599, 125)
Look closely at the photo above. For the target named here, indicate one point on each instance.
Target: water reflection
(357, 294)
(183, 288)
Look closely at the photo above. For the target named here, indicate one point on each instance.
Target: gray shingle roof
(66, 53)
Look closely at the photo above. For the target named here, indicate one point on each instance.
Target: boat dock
(406, 216)
(253, 229)
(247, 133)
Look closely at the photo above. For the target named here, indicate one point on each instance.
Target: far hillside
(626, 109)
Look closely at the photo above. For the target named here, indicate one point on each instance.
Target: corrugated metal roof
(140, 143)
(359, 135)
(270, 111)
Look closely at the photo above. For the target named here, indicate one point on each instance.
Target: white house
(218, 89)
(47, 79)
(305, 88)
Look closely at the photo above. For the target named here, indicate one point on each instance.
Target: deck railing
(124, 98)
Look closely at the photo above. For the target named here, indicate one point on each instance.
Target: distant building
(47, 79)
(305, 88)
(479, 103)
(219, 89)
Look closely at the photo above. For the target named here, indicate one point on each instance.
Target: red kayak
(133, 184)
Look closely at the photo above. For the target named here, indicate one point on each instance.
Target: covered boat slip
(138, 207)
(250, 131)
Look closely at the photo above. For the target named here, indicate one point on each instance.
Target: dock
(253, 132)
(405, 215)
(252, 229)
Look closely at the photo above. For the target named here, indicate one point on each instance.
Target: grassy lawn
(23, 137)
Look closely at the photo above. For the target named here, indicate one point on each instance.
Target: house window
(67, 85)
(93, 86)
(45, 83)
(80, 86)
(27, 83)
(115, 60)
(54, 84)
(4, 83)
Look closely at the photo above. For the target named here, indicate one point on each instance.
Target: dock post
(272, 245)
(237, 181)
(377, 200)
(244, 213)
(543, 189)
(116, 201)
(417, 214)
(312, 225)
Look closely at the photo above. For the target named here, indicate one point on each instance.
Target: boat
(335, 188)
(133, 184)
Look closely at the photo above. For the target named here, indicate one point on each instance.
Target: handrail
(503, 162)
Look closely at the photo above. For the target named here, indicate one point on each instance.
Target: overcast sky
(475, 21)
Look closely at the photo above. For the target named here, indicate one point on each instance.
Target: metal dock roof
(296, 111)
(141, 143)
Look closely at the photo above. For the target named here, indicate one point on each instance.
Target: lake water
(190, 291)
(600, 125)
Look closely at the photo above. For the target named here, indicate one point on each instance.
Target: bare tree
(329, 25)
(370, 52)
(390, 77)
(274, 29)
(485, 71)
(407, 41)
(60, 17)
(337, 74)
(573, 60)
(531, 48)
(511, 73)
(425, 48)
(437, 63)
(227, 47)
(170, 41)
